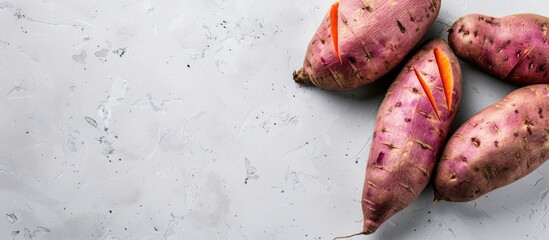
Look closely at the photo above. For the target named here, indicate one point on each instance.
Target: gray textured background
(170, 119)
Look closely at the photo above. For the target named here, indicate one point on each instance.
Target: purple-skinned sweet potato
(513, 48)
(500, 144)
(370, 38)
(410, 132)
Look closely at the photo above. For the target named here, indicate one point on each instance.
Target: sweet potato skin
(513, 48)
(374, 36)
(408, 137)
(497, 146)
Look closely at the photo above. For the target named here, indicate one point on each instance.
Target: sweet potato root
(370, 37)
(497, 146)
(513, 48)
(408, 135)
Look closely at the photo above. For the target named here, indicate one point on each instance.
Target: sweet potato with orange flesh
(514, 48)
(408, 136)
(497, 146)
(373, 36)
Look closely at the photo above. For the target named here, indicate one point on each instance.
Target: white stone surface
(179, 119)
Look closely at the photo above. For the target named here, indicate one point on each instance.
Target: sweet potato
(367, 40)
(497, 146)
(513, 48)
(411, 128)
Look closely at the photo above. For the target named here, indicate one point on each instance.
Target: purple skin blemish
(323, 60)
(380, 158)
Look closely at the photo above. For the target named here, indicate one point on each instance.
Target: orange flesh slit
(446, 76)
(334, 28)
(427, 91)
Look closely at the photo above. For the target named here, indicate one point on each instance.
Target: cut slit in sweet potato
(526, 53)
(334, 28)
(445, 71)
(428, 92)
